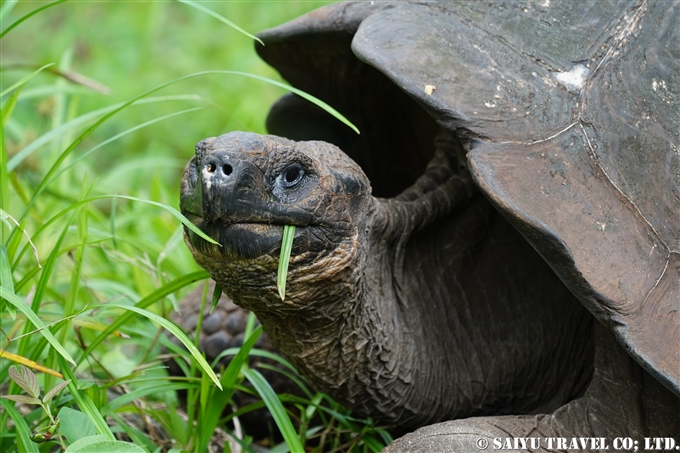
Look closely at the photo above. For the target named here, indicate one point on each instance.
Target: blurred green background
(125, 48)
(130, 47)
(119, 250)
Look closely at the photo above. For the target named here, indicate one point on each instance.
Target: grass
(286, 247)
(102, 104)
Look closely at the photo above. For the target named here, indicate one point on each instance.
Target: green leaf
(7, 8)
(81, 444)
(26, 379)
(276, 409)
(6, 279)
(311, 409)
(56, 217)
(373, 444)
(294, 377)
(8, 108)
(120, 135)
(217, 293)
(109, 446)
(55, 390)
(100, 444)
(5, 113)
(176, 331)
(40, 290)
(302, 94)
(13, 244)
(138, 437)
(204, 393)
(221, 18)
(127, 398)
(23, 431)
(118, 363)
(156, 296)
(26, 310)
(112, 111)
(25, 79)
(385, 435)
(69, 306)
(22, 399)
(84, 402)
(219, 400)
(178, 215)
(66, 127)
(230, 375)
(286, 248)
(75, 425)
(186, 222)
(35, 11)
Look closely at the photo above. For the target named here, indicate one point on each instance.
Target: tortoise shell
(569, 115)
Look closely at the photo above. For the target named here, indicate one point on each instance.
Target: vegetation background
(74, 259)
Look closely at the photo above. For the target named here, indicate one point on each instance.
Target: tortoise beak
(191, 191)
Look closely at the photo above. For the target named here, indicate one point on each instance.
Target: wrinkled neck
(341, 330)
(457, 319)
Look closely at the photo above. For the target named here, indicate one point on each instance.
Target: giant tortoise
(507, 220)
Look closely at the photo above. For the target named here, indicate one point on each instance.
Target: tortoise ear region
(353, 186)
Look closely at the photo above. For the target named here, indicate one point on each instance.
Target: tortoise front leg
(622, 401)
(445, 187)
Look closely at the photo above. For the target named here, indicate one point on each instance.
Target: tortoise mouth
(238, 240)
(249, 240)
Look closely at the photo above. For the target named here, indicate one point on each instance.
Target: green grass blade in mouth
(286, 247)
(217, 293)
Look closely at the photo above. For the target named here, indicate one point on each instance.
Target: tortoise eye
(291, 176)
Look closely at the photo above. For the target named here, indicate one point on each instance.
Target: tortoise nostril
(227, 169)
(211, 167)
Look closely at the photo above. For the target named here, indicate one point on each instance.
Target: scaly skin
(622, 401)
(421, 308)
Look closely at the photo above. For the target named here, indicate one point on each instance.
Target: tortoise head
(242, 189)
